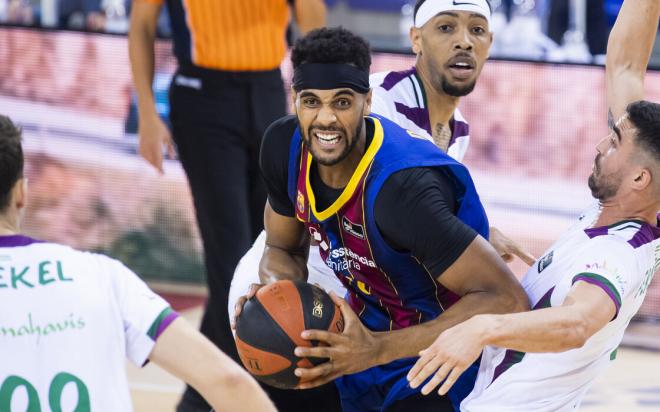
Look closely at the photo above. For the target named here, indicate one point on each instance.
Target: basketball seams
(267, 329)
(306, 293)
(291, 322)
(240, 333)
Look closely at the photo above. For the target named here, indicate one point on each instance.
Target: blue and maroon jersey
(389, 289)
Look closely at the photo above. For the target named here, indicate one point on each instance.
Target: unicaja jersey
(400, 97)
(68, 321)
(620, 259)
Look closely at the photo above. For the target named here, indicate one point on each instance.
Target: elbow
(516, 300)
(577, 334)
(574, 333)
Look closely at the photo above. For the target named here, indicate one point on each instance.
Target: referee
(227, 90)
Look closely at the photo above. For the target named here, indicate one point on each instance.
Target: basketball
(268, 330)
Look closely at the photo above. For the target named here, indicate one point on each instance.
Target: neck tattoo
(442, 136)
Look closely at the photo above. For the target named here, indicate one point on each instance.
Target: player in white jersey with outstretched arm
(69, 320)
(591, 282)
(451, 51)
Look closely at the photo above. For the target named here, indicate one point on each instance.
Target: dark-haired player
(592, 281)
(451, 42)
(397, 220)
(70, 319)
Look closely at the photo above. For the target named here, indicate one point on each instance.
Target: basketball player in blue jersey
(396, 219)
(451, 42)
(593, 280)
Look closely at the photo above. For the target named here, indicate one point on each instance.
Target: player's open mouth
(327, 138)
(461, 67)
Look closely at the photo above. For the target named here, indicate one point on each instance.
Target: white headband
(430, 8)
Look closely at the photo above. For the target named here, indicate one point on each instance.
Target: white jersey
(400, 97)
(620, 259)
(68, 321)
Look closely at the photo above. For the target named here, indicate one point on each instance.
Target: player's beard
(348, 148)
(603, 187)
(455, 90)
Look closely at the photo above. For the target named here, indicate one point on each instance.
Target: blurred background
(537, 111)
(536, 114)
(545, 30)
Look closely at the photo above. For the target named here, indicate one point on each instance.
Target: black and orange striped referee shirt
(230, 35)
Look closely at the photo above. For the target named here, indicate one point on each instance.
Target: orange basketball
(269, 327)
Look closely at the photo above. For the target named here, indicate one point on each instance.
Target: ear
(416, 40)
(20, 193)
(367, 104)
(642, 179)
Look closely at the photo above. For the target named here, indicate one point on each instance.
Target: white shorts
(247, 273)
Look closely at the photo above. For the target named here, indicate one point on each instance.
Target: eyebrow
(341, 92)
(344, 91)
(452, 14)
(307, 94)
(446, 13)
(479, 16)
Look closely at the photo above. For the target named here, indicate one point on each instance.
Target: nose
(603, 145)
(326, 115)
(463, 40)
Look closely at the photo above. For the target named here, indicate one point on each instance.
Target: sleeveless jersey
(388, 289)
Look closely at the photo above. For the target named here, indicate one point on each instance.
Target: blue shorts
(375, 389)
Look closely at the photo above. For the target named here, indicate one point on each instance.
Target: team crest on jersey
(545, 261)
(300, 202)
(352, 228)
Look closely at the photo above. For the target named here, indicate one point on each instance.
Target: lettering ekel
(43, 274)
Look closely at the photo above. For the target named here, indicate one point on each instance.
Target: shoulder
(281, 130)
(63, 252)
(458, 116)
(388, 80)
(91, 263)
(417, 179)
(277, 140)
(609, 252)
(627, 234)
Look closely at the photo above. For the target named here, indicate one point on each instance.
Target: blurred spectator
(596, 23)
(81, 14)
(18, 11)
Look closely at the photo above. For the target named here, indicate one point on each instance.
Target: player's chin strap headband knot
(430, 8)
(328, 76)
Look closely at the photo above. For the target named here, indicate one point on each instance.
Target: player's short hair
(332, 45)
(11, 159)
(645, 116)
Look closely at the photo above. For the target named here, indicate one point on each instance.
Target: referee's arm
(154, 134)
(310, 14)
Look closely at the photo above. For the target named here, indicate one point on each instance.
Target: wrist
(380, 341)
(487, 325)
(146, 107)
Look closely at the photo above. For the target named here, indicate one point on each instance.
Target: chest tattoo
(442, 136)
